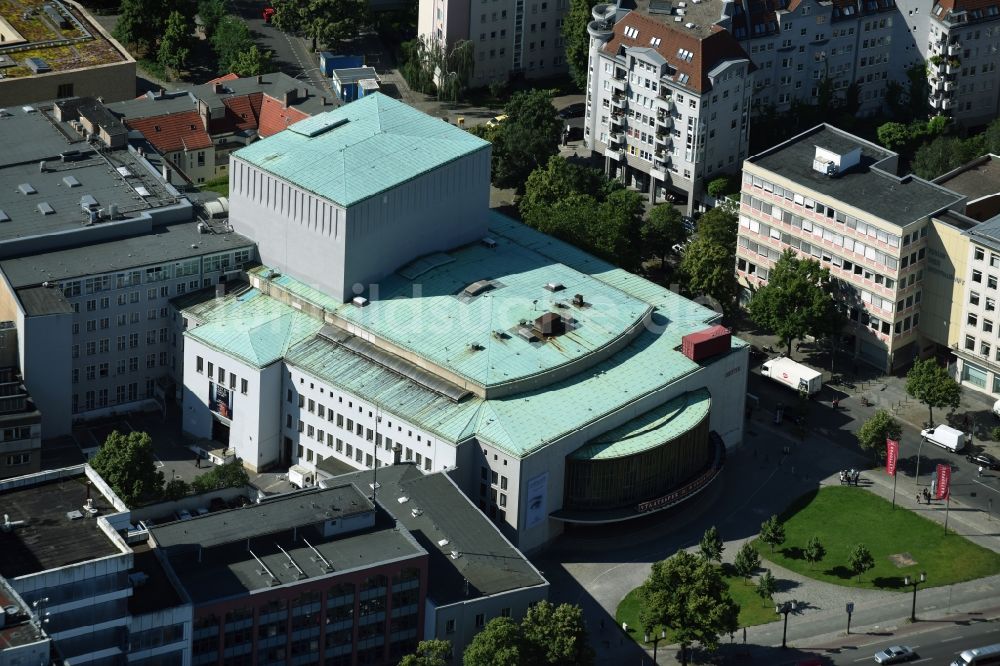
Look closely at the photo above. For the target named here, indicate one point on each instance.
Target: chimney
(260, 78)
(291, 96)
(204, 113)
(217, 88)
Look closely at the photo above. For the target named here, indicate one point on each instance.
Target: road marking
(953, 638)
(862, 659)
(986, 486)
(920, 660)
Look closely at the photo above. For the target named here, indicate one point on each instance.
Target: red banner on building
(943, 481)
(891, 455)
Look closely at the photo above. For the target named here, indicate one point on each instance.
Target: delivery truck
(945, 436)
(793, 375)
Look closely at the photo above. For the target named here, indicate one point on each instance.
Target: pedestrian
(980, 471)
(918, 498)
(197, 461)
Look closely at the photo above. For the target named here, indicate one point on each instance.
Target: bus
(984, 656)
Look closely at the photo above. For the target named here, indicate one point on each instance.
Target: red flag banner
(891, 455)
(943, 481)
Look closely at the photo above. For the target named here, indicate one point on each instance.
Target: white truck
(792, 374)
(946, 437)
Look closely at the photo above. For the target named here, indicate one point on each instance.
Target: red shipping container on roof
(704, 344)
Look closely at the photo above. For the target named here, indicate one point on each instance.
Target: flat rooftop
(288, 522)
(488, 561)
(40, 203)
(49, 538)
(156, 592)
(979, 178)
(987, 233)
(360, 149)
(898, 201)
(17, 629)
(162, 245)
(72, 43)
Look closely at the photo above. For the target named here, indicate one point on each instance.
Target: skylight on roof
(4, 217)
(26, 188)
(45, 209)
(631, 32)
(71, 181)
(683, 78)
(685, 55)
(654, 41)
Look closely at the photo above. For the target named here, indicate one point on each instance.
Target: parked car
(183, 514)
(267, 14)
(495, 121)
(678, 248)
(573, 111)
(983, 460)
(894, 655)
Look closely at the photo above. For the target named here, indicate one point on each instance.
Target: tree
(874, 431)
(548, 634)
(229, 475)
(498, 644)
(126, 463)
(611, 234)
(435, 652)
(690, 596)
(709, 262)
(943, 154)
(721, 186)
(141, 22)
(556, 180)
(796, 300)
(893, 135)
(931, 384)
(176, 489)
(526, 139)
(766, 586)
(175, 47)
(772, 532)
(662, 229)
(231, 38)
(746, 561)
(860, 560)
(555, 635)
(815, 550)
(211, 13)
(577, 39)
(711, 545)
(252, 62)
(323, 21)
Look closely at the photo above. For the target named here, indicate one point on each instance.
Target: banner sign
(943, 481)
(220, 400)
(891, 455)
(537, 495)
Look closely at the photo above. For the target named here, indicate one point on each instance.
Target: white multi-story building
(668, 102)
(510, 38)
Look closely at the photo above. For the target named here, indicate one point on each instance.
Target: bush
(995, 434)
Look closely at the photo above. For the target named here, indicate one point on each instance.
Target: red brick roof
(242, 113)
(949, 6)
(227, 77)
(274, 116)
(173, 131)
(707, 51)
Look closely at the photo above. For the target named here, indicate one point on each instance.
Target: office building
(196, 128)
(93, 245)
(668, 103)
(20, 421)
(397, 318)
(510, 39)
(474, 573)
(54, 48)
(23, 639)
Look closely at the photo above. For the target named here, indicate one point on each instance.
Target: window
(977, 276)
(449, 627)
(64, 90)
(972, 319)
(244, 385)
(480, 620)
(974, 298)
(970, 343)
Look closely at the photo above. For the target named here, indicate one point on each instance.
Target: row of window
(122, 366)
(199, 366)
(103, 346)
(131, 278)
(122, 319)
(123, 393)
(351, 452)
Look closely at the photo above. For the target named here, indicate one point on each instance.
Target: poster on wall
(537, 496)
(220, 400)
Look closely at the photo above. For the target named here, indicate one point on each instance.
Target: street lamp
(916, 476)
(656, 642)
(784, 609)
(914, 582)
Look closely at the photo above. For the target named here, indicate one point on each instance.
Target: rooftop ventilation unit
(443, 542)
(477, 288)
(71, 181)
(550, 324)
(403, 500)
(455, 554)
(526, 333)
(578, 300)
(554, 286)
(689, 25)
(833, 163)
(37, 65)
(45, 209)
(359, 301)
(26, 188)
(415, 512)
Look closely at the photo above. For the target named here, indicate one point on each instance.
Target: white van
(984, 656)
(946, 437)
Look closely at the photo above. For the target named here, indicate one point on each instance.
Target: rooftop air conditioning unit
(359, 301)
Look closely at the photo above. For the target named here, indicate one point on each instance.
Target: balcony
(949, 86)
(618, 81)
(954, 49)
(947, 104)
(664, 122)
(934, 102)
(616, 140)
(951, 68)
(617, 100)
(664, 95)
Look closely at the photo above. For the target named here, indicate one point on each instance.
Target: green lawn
(843, 516)
(220, 185)
(752, 609)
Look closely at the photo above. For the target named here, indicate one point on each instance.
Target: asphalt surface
(933, 643)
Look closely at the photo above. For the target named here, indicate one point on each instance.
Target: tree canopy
(229, 475)
(797, 300)
(766, 585)
(323, 21)
(435, 652)
(815, 550)
(746, 561)
(548, 634)
(711, 545)
(931, 384)
(661, 230)
(526, 139)
(230, 39)
(211, 13)
(141, 22)
(860, 560)
(772, 532)
(690, 596)
(577, 39)
(875, 430)
(175, 46)
(556, 180)
(252, 62)
(127, 464)
(709, 263)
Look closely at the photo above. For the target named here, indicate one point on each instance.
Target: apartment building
(668, 102)
(20, 421)
(23, 639)
(93, 246)
(510, 38)
(963, 53)
(833, 197)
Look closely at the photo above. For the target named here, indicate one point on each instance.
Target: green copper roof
(650, 430)
(250, 326)
(360, 149)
